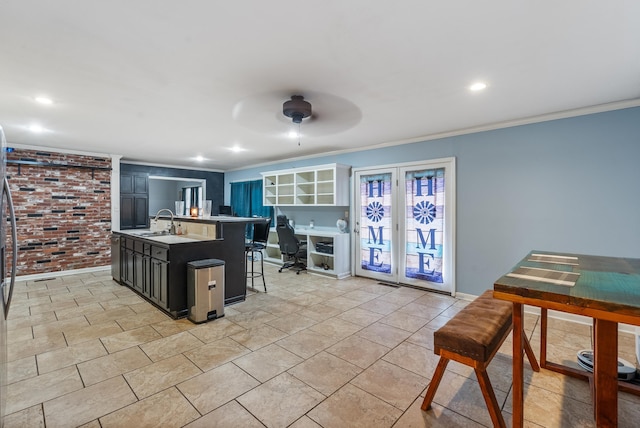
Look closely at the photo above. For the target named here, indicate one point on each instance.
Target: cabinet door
(159, 280)
(128, 267)
(146, 275)
(141, 212)
(126, 212)
(138, 276)
(140, 184)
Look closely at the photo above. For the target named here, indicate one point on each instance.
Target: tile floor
(312, 352)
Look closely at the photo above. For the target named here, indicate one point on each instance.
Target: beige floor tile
(320, 312)
(171, 327)
(165, 409)
(392, 384)
(358, 351)
(251, 319)
(462, 395)
(32, 417)
(436, 417)
(21, 369)
(435, 301)
(419, 360)
(306, 299)
(280, 401)
(341, 303)
(384, 334)
(354, 408)
(19, 334)
(141, 319)
(91, 309)
(29, 392)
(292, 323)
(103, 297)
(216, 353)
(127, 339)
(422, 337)
(30, 320)
(230, 415)
(71, 355)
(36, 346)
(304, 422)
(216, 387)
(336, 328)
(379, 306)
(62, 325)
(325, 373)
(306, 343)
(216, 330)
(267, 362)
(405, 321)
(171, 345)
(92, 424)
(78, 335)
(53, 306)
(155, 377)
(258, 337)
(359, 316)
(107, 316)
(112, 365)
(553, 410)
(87, 404)
(281, 308)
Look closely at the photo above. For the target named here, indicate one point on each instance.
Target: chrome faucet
(172, 228)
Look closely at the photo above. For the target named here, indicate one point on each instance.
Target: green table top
(609, 284)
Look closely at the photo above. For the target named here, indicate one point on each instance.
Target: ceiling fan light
(296, 108)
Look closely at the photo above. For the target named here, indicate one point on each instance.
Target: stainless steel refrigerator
(7, 226)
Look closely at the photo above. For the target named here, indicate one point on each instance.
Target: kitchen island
(155, 264)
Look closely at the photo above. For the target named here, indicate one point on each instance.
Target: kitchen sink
(155, 233)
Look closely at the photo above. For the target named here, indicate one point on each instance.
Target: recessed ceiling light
(237, 149)
(478, 86)
(293, 134)
(44, 100)
(36, 128)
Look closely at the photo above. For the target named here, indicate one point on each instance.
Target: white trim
(46, 275)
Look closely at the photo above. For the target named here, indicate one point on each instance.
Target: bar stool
(256, 246)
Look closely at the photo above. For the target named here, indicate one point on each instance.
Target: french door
(404, 224)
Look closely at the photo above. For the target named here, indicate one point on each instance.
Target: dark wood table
(607, 289)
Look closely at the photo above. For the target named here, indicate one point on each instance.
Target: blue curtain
(246, 201)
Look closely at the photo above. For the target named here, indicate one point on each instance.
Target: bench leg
(490, 398)
(435, 381)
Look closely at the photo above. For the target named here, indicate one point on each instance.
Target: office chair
(291, 247)
(256, 246)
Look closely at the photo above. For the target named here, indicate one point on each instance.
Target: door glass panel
(376, 223)
(424, 224)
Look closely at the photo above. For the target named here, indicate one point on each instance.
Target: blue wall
(563, 185)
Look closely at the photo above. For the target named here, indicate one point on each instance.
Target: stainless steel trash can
(205, 290)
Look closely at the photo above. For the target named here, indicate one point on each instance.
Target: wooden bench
(472, 337)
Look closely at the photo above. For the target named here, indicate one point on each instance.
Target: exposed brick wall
(63, 213)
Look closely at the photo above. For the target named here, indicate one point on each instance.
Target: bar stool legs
(251, 252)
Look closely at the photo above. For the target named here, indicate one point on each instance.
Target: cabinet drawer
(160, 253)
(137, 246)
(128, 243)
(147, 249)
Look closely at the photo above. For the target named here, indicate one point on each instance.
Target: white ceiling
(162, 81)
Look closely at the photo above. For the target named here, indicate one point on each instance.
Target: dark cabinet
(159, 282)
(134, 201)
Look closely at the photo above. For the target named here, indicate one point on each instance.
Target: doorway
(405, 224)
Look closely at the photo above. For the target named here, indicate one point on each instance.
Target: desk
(606, 289)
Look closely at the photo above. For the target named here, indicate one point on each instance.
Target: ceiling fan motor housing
(296, 108)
